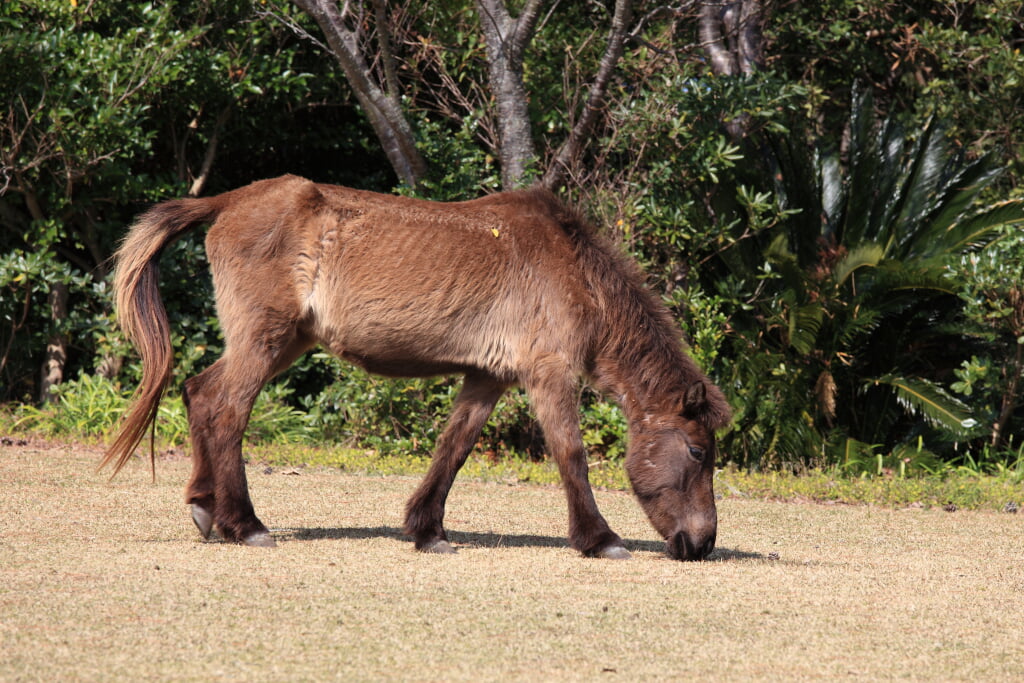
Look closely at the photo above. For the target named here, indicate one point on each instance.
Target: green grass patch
(964, 490)
(90, 407)
(365, 461)
(276, 434)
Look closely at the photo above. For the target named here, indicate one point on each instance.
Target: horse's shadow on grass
(474, 539)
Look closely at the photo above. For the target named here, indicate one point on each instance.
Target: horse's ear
(705, 402)
(696, 397)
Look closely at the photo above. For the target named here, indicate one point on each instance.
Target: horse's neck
(643, 373)
(639, 359)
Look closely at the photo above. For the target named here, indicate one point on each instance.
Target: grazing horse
(510, 289)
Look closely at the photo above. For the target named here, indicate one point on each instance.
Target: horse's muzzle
(683, 546)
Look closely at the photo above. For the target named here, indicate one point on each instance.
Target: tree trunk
(384, 112)
(506, 40)
(731, 34)
(1010, 398)
(199, 183)
(56, 346)
(52, 372)
(1014, 370)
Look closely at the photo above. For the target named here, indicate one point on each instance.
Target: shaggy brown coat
(505, 290)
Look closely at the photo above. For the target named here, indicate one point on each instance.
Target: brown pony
(510, 289)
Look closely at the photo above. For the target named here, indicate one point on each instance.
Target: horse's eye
(697, 453)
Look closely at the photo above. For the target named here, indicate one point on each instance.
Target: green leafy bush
(91, 406)
(846, 325)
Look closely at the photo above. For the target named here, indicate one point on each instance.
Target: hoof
(614, 552)
(203, 520)
(441, 547)
(260, 539)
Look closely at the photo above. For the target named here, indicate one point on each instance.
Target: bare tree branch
(387, 55)
(293, 27)
(453, 98)
(524, 26)
(731, 34)
(211, 152)
(750, 30)
(661, 12)
(385, 113)
(52, 373)
(714, 17)
(506, 39)
(595, 105)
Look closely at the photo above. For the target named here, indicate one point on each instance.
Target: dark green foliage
(112, 107)
(817, 282)
(993, 380)
(25, 281)
(829, 266)
(958, 60)
(851, 329)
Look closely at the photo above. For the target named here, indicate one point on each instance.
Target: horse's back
(405, 286)
(414, 287)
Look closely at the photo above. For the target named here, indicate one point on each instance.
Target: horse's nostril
(677, 546)
(682, 547)
(708, 546)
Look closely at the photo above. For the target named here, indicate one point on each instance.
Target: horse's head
(671, 465)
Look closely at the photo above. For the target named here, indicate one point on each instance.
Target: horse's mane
(641, 332)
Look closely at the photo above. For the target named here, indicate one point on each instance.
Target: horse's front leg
(553, 394)
(424, 519)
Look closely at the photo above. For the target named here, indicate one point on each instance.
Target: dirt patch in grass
(108, 581)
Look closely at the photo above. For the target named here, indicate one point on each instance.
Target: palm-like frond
(976, 230)
(962, 188)
(866, 179)
(804, 326)
(860, 256)
(832, 189)
(860, 286)
(856, 327)
(921, 174)
(910, 196)
(928, 399)
(893, 278)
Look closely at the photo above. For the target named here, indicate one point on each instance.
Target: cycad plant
(850, 334)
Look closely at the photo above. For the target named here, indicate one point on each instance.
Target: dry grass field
(105, 581)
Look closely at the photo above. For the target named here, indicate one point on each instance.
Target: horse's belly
(403, 366)
(405, 342)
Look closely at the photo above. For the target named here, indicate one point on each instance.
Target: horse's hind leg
(218, 412)
(424, 519)
(219, 402)
(199, 492)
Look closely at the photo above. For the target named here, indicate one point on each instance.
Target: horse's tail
(142, 315)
